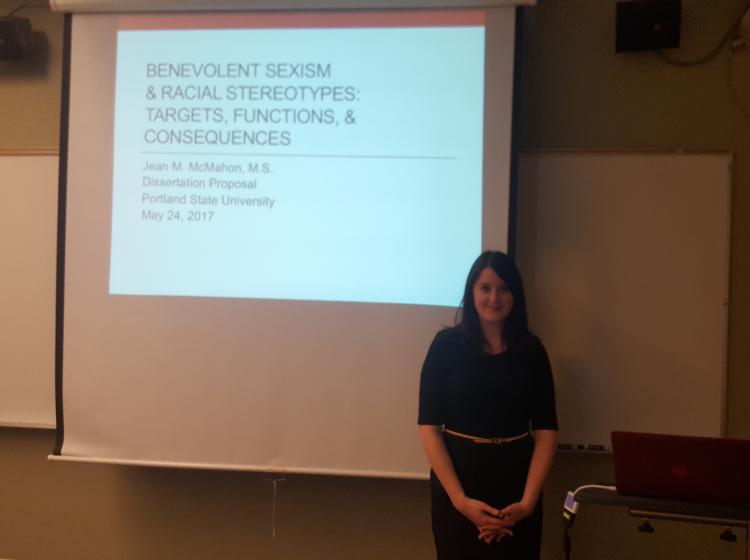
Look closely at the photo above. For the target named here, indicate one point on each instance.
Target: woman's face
(492, 298)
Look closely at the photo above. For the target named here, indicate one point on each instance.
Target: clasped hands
(494, 524)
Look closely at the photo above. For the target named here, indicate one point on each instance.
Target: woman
(485, 383)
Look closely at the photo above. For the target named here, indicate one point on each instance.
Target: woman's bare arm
(478, 512)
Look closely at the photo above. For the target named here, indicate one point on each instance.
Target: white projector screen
(268, 217)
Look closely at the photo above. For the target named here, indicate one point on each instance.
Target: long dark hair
(516, 334)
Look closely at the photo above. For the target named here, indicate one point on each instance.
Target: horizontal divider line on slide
(331, 156)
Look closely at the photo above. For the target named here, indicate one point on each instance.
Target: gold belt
(494, 440)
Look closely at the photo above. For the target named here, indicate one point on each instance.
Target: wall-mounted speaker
(16, 38)
(643, 25)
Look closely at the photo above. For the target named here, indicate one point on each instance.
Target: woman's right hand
(485, 517)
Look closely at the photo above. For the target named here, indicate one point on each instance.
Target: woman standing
(485, 384)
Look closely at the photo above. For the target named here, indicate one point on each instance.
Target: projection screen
(267, 218)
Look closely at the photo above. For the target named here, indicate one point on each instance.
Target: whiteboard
(28, 244)
(625, 259)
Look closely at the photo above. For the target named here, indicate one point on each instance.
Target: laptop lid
(686, 468)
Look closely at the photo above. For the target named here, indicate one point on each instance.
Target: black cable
(567, 543)
(570, 508)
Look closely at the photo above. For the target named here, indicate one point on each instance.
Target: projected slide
(305, 157)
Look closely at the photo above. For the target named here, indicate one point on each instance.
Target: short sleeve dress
(483, 395)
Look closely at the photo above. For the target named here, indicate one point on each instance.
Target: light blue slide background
(392, 214)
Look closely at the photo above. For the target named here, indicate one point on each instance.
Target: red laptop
(686, 468)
